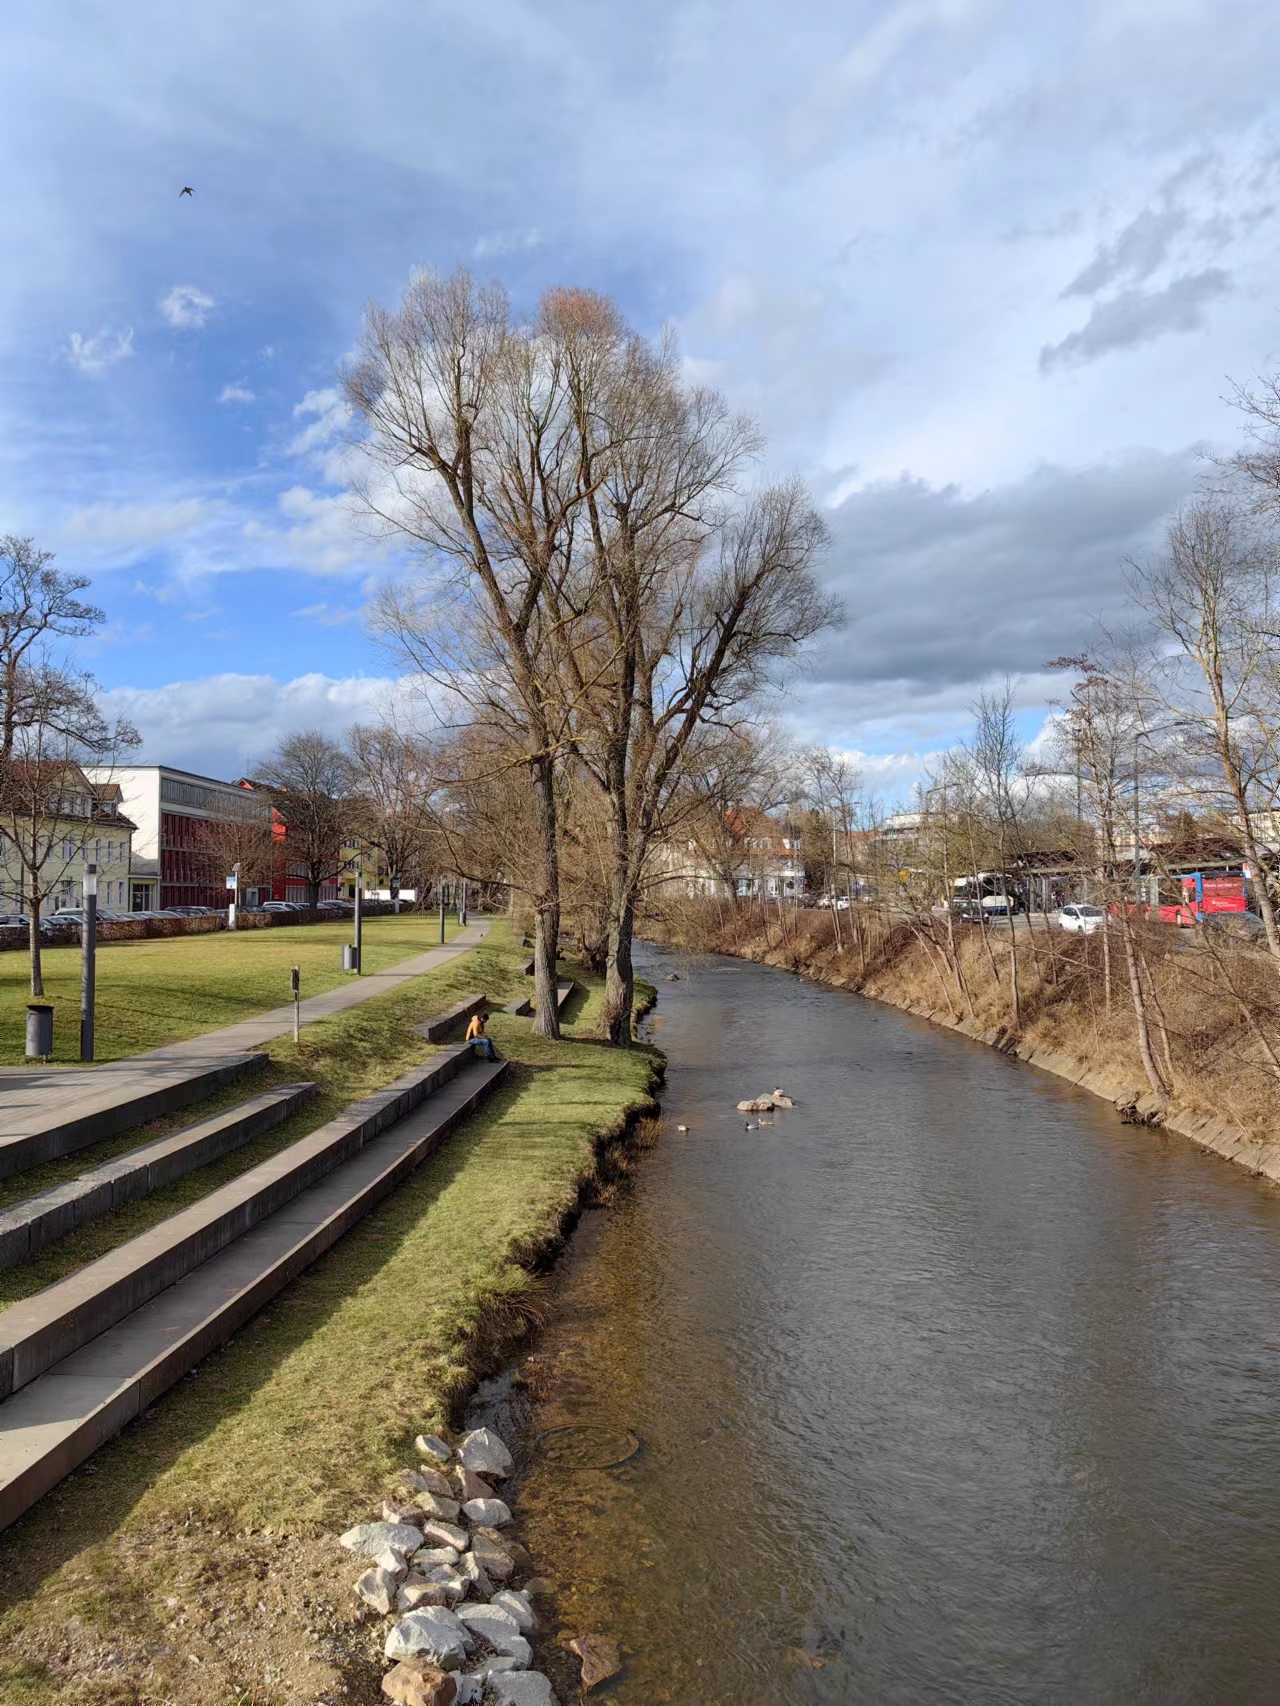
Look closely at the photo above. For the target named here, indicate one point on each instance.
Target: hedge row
(15, 936)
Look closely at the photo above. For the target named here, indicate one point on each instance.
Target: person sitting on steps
(476, 1037)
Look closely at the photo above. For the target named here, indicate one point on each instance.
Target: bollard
(39, 1031)
(350, 961)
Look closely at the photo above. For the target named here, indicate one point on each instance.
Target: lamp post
(359, 908)
(441, 887)
(235, 896)
(88, 961)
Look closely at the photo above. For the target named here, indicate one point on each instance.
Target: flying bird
(185, 190)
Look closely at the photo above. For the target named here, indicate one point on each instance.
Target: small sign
(231, 882)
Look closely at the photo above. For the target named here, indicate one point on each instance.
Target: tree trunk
(620, 981)
(546, 944)
(33, 930)
(1149, 1066)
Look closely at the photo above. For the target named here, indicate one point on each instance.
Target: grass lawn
(157, 992)
(193, 1559)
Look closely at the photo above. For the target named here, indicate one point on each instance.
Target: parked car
(1246, 924)
(188, 911)
(281, 906)
(1080, 919)
(76, 915)
(344, 907)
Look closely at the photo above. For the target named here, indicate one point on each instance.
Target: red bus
(1201, 894)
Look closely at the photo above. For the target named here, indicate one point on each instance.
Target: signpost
(88, 961)
(359, 911)
(295, 984)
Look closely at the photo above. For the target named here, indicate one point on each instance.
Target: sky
(985, 270)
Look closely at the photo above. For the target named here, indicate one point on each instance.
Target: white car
(1083, 920)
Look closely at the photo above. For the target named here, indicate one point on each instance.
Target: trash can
(39, 1031)
(349, 960)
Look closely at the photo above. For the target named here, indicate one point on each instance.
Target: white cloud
(331, 416)
(103, 350)
(236, 393)
(223, 725)
(187, 307)
(494, 244)
(319, 533)
(328, 615)
(133, 526)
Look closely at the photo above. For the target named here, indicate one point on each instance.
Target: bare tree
(309, 780)
(47, 803)
(395, 778)
(37, 601)
(1217, 696)
(475, 461)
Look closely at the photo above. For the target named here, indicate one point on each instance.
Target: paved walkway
(36, 1098)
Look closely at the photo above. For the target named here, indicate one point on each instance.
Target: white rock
(435, 1632)
(438, 1509)
(496, 1625)
(369, 1538)
(444, 1534)
(428, 1480)
(494, 1663)
(391, 1561)
(472, 1572)
(433, 1448)
(520, 1606)
(455, 1585)
(378, 1589)
(517, 1647)
(470, 1690)
(488, 1513)
(430, 1555)
(484, 1454)
(416, 1593)
(521, 1688)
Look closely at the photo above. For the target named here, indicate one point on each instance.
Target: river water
(947, 1386)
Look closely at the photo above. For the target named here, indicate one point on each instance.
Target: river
(947, 1385)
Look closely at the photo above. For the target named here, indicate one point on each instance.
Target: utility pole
(359, 908)
(88, 961)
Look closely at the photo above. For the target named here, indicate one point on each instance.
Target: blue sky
(983, 269)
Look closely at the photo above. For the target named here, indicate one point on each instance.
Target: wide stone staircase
(84, 1356)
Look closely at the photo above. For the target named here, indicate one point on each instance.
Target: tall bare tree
(395, 779)
(474, 460)
(309, 780)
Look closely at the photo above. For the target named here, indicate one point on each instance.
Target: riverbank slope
(1071, 1015)
(193, 1558)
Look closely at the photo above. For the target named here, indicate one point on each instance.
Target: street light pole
(359, 909)
(88, 961)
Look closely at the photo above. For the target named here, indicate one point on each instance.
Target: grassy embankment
(156, 992)
(1214, 1006)
(193, 1559)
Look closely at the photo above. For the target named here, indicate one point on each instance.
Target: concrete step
(54, 1114)
(437, 1029)
(41, 1220)
(58, 1420)
(41, 1330)
(523, 1007)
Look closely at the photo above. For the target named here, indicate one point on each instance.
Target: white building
(172, 863)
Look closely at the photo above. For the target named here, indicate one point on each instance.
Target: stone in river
(370, 1538)
(487, 1513)
(472, 1487)
(521, 1688)
(600, 1657)
(435, 1633)
(496, 1624)
(414, 1682)
(428, 1480)
(443, 1534)
(520, 1605)
(377, 1588)
(483, 1452)
(433, 1448)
